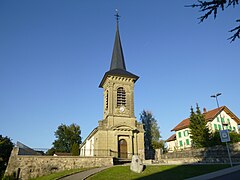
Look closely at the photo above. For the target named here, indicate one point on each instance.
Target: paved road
(232, 173)
(231, 176)
(84, 174)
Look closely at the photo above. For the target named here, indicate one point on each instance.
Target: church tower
(118, 85)
(118, 134)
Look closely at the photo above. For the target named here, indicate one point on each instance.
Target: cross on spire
(117, 16)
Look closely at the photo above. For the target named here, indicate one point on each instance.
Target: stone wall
(34, 166)
(217, 154)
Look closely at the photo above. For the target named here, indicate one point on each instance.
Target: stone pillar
(135, 144)
(130, 145)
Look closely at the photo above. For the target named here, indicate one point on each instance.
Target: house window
(185, 133)
(179, 134)
(234, 129)
(223, 120)
(121, 97)
(218, 119)
(228, 120)
(215, 126)
(219, 127)
(187, 141)
(91, 147)
(180, 143)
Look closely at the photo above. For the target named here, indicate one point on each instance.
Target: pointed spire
(118, 67)
(117, 55)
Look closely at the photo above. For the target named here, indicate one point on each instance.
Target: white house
(217, 119)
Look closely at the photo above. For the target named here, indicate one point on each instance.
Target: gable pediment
(122, 128)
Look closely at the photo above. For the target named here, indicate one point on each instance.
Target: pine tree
(199, 131)
(75, 149)
(151, 134)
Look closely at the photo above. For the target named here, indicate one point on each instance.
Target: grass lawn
(173, 172)
(57, 175)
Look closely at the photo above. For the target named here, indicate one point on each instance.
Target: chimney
(204, 110)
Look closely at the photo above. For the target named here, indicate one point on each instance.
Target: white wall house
(87, 147)
(217, 119)
(171, 143)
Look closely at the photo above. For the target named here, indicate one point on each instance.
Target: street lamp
(215, 96)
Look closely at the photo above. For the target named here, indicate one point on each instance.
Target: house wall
(183, 138)
(171, 145)
(216, 124)
(88, 148)
(35, 166)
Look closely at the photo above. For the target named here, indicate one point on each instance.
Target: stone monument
(136, 164)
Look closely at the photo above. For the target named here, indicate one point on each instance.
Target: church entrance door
(122, 148)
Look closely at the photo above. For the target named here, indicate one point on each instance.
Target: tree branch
(237, 32)
(211, 7)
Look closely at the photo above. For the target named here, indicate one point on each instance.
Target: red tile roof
(172, 138)
(209, 116)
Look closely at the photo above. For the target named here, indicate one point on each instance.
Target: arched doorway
(122, 148)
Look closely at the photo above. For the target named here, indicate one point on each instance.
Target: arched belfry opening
(121, 97)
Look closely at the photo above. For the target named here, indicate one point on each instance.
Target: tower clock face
(122, 109)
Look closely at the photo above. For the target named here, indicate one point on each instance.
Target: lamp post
(216, 97)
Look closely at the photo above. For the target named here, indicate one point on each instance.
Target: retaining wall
(28, 167)
(217, 154)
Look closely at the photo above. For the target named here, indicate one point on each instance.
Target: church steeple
(117, 55)
(118, 67)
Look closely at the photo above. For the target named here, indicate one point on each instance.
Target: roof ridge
(208, 116)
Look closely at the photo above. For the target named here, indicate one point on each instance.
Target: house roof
(209, 116)
(171, 138)
(118, 67)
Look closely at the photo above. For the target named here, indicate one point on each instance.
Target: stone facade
(118, 134)
(118, 126)
(35, 166)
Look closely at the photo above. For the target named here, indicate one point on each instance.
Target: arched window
(121, 97)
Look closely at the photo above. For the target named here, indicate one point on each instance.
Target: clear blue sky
(53, 55)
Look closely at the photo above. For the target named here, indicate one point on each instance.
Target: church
(119, 134)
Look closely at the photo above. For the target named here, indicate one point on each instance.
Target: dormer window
(121, 97)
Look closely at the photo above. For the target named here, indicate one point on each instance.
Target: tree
(6, 146)
(75, 149)
(199, 132)
(212, 7)
(216, 140)
(50, 151)
(66, 137)
(151, 134)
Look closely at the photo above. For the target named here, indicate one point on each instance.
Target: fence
(105, 153)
